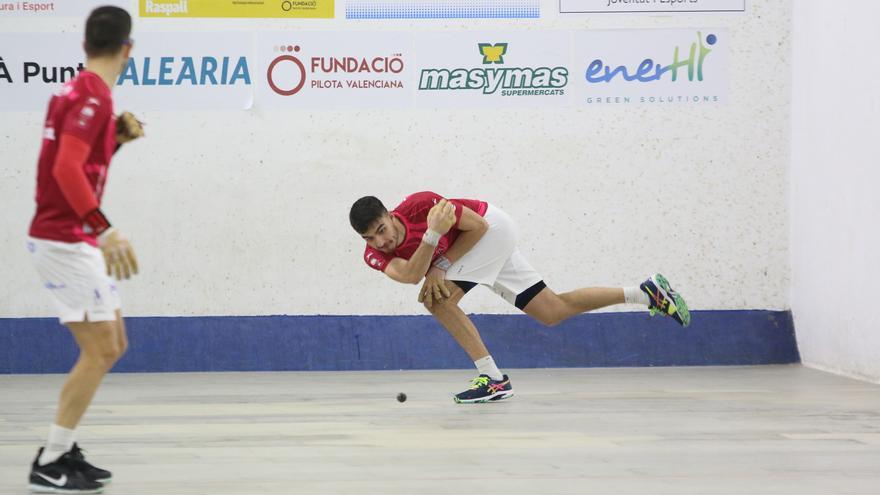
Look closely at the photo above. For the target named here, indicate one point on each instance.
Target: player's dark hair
(364, 212)
(107, 30)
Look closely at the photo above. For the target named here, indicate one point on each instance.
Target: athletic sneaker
(665, 300)
(60, 477)
(485, 389)
(78, 461)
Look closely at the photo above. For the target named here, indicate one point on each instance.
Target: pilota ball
(401, 397)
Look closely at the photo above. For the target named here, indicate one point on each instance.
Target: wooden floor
(645, 431)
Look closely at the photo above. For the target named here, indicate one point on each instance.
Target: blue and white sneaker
(664, 300)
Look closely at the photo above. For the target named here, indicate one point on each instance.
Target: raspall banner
(238, 8)
(58, 8)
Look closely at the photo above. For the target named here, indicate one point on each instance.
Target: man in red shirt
(456, 244)
(74, 247)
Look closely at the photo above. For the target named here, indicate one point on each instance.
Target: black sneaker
(485, 389)
(60, 477)
(78, 461)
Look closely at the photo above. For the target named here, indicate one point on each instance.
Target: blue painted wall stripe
(276, 343)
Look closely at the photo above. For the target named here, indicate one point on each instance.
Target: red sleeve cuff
(96, 221)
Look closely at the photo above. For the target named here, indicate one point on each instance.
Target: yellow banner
(278, 9)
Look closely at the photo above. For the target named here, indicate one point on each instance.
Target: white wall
(835, 175)
(246, 212)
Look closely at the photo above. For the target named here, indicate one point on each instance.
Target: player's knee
(123, 348)
(438, 306)
(107, 354)
(548, 319)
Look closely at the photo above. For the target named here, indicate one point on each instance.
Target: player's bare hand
(434, 289)
(128, 128)
(441, 217)
(118, 254)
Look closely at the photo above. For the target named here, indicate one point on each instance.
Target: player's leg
(522, 286)
(78, 458)
(551, 308)
(655, 293)
(491, 385)
(87, 303)
(100, 348)
(59, 465)
(447, 312)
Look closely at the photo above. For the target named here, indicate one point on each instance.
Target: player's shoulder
(419, 199)
(90, 89)
(368, 251)
(375, 258)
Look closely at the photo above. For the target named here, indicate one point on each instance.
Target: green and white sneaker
(664, 300)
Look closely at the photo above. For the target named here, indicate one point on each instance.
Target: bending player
(457, 244)
(73, 246)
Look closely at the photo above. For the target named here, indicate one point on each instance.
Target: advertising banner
(466, 69)
(649, 6)
(335, 70)
(650, 66)
(57, 8)
(167, 71)
(238, 8)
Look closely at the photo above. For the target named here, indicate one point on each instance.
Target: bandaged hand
(128, 128)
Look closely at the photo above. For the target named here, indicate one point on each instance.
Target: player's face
(382, 235)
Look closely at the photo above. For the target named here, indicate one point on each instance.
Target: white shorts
(76, 276)
(496, 262)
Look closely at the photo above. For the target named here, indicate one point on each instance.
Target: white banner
(167, 71)
(57, 8)
(649, 6)
(179, 71)
(33, 66)
(650, 66)
(335, 70)
(307, 69)
(468, 69)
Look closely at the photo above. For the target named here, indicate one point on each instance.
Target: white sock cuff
(635, 295)
(60, 441)
(487, 366)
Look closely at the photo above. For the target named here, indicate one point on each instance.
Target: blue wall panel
(268, 343)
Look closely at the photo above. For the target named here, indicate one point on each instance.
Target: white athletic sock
(487, 366)
(60, 441)
(635, 295)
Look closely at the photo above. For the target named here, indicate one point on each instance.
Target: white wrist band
(442, 263)
(431, 237)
